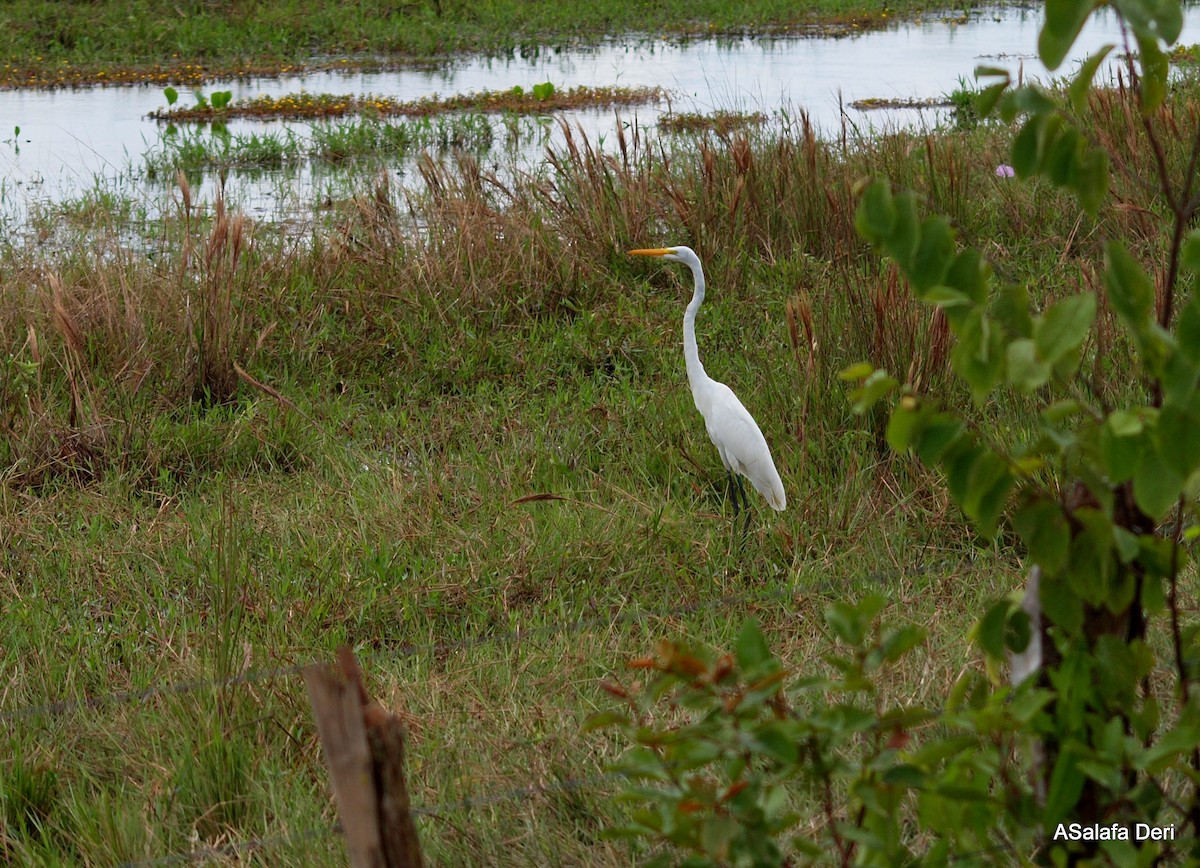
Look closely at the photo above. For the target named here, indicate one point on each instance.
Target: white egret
(731, 428)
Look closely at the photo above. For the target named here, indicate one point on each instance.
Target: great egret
(731, 428)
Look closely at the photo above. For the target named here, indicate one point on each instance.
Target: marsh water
(89, 141)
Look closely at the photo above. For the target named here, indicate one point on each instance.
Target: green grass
(413, 375)
(42, 35)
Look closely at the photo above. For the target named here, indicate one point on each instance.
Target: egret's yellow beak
(651, 251)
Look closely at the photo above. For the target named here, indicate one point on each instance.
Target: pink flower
(1005, 171)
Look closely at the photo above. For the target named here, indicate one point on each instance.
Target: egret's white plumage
(739, 441)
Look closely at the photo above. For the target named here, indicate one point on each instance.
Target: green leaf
(978, 356)
(874, 387)
(1060, 605)
(604, 719)
(1063, 327)
(1011, 309)
(1177, 430)
(1082, 82)
(933, 256)
(1025, 155)
(875, 219)
(1044, 530)
(970, 274)
(942, 432)
(1025, 370)
(990, 633)
(1130, 289)
(1063, 155)
(986, 99)
(1121, 445)
(906, 234)
(991, 482)
(171, 94)
(904, 423)
(857, 371)
(899, 641)
(1064, 20)
(1187, 327)
(1156, 485)
(751, 647)
(1018, 630)
(1066, 785)
(773, 738)
(1156, 66)
(1091, 183)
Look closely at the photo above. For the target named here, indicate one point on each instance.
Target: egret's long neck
(691, 355)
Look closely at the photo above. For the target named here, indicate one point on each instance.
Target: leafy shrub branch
(1091, 730)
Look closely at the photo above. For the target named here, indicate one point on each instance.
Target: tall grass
(452, 429)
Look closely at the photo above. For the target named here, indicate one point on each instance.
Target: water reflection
(71, 142)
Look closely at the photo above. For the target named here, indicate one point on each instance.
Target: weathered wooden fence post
(364, 749)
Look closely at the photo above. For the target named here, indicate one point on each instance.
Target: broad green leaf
(876, 215)
(942, 432)
(1130, 289)
(991, 72)
(991, 482)
(1063, 154)
(1025, 156)
(978, 356)
(986, 99)
(946, 297)
(1060, 606)
(1179, 377)
(959, 463)
(1121, 445)
(1025, 370)
(1033, 100)
(903, 426)
(1044, 530)
(1124, 423)
(603, 719)
(933, 256)
(1178, 428)
(990, 632)
(1081, 84)
(1064, 20)
(899, 641)
(774, 739)
(970, 273)
(1156, 485)
(1066, 785)
(1018, 630)
(874, 387)
(1062, 328)
(1011, 309)
(1189, 256)
(1156, 66)
(1187, 327)
(1161, 19)
(857, 371)
(1091, 183)
(902, 242)
(751, 647)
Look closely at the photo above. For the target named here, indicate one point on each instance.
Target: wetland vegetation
(48, 43)
(450, 427)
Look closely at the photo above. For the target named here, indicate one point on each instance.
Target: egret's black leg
(745, 505)
(733, 493)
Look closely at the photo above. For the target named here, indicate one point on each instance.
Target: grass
(192, 149)
(516, 100)
(120, 41)
(453, 430)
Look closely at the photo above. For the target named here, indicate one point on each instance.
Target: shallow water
(75, 141)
